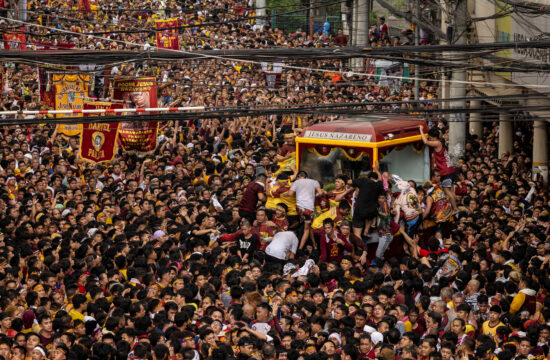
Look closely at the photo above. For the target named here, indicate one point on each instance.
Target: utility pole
(346, 19)
(360, 28)
(369, 6)
(457, 122)
(260, 12)
(310, 18)
(353, 24)
(417, 42)
(476, 126)
(540, 151)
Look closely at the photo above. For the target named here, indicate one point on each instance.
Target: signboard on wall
(517, 27)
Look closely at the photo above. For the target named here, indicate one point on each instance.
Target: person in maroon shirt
(46, 330)
(341, 39)
(280, 218)
(254, 192)
(383, 28)
(331, 243)
(263, 228)
(288, 149)
(366, 348)
(442, 163)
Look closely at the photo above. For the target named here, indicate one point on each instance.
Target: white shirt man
(305, 190)
(283, 246)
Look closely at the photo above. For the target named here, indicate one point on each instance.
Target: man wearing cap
(245, 348)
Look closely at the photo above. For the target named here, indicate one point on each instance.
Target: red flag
(98, 140)
(167, 39)
(47, 90)
(84, 6)
(137, 93)
(15, 40)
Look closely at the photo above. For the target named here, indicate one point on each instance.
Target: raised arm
(289, 193)
(519, 227)
(431, 143)
(320, 191)
(429, 202)
(340, 197)
(376, 169)
(54, 134)
(273, 133)
(142, 169)
(397, 209)
(175, 137)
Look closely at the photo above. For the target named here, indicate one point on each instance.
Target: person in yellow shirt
(340, 192)
(223, 151)
(272, 190)
(526, 297)
(490, 326)
(281, 187)
(337, 214)
(79, 306)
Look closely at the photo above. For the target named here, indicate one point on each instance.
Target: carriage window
(408, 163)
(326, 168)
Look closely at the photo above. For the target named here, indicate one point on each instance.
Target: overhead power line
(73, 57)
(201, 112)
(533, 7)
(215, 54)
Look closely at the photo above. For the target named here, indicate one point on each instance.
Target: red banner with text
(167, 39)
(98, 140)
(137, 93)
(15, 40)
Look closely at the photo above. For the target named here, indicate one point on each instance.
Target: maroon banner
(167, 39)
(15, 40)
(84, 6)
(47, 91)
(137, 93)
(98, 140)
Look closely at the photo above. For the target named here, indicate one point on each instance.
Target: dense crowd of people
(216, 247)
